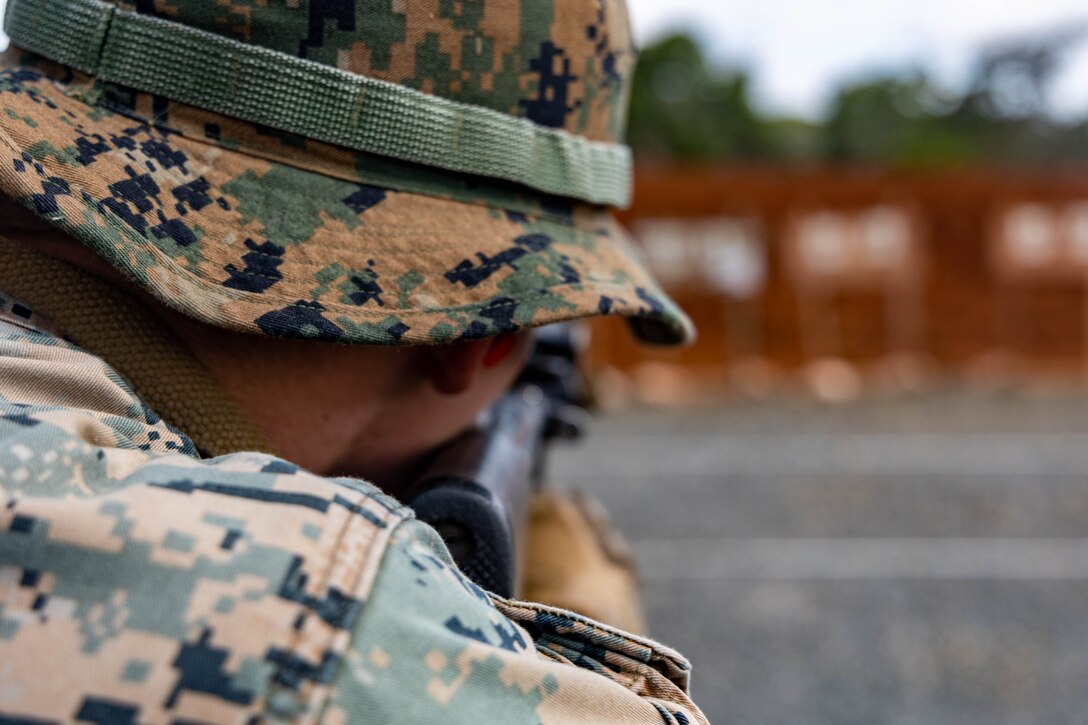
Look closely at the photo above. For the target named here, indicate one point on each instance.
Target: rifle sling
(114, 325)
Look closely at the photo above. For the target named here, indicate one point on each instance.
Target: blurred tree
(896, 121)
(687, 109)
(1006, 106)
(681, 108)
(1012, 78)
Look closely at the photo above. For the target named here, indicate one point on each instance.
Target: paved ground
(914, 561)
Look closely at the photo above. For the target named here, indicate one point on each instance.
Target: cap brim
(259, 245)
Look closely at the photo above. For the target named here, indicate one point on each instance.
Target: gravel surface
(915, 560)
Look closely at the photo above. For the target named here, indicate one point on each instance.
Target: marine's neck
(331, 409)
(325, 407)
(120, 328)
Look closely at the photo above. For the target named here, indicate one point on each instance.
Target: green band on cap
(311, 99)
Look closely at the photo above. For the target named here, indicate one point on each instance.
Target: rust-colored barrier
(792, 266)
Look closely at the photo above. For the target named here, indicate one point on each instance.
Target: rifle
(476, 491)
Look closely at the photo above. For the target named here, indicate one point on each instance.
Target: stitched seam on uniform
(407, 229)
(415, 251)
(255, 151)
(636, 677)
(252, 150)
(355, 524)
(392, 518)
(301, 634)
(629, 677)
(649, 645)
(216, 288)
(538, 215)
(105, 32)
(377, 235)
(297, 636)
(407, 253)
(652, 648)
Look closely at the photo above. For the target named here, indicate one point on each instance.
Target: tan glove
(577, 560)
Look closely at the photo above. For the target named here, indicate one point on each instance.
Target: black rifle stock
(477, 490)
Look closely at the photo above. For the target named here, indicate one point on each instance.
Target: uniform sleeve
(140, 584)
(431, 647)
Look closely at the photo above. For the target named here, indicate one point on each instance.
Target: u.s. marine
(251, 254)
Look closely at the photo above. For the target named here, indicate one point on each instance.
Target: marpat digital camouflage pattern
(258, 230)
(558, 63)
(142, 585)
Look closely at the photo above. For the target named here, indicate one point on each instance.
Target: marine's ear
(452, 369)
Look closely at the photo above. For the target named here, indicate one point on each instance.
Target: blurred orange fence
(782, 269)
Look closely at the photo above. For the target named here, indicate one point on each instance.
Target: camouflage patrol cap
(366, 171)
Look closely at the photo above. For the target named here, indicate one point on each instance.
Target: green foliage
(896, 121)
(686, 109)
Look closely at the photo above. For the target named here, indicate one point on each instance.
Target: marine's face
(361, 411)
(368, 412)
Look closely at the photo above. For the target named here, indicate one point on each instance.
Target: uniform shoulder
(431, 646)
(54, 393)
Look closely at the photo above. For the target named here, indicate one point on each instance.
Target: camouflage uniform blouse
(141, 584)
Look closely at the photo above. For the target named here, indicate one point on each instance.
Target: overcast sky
(798, 50)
